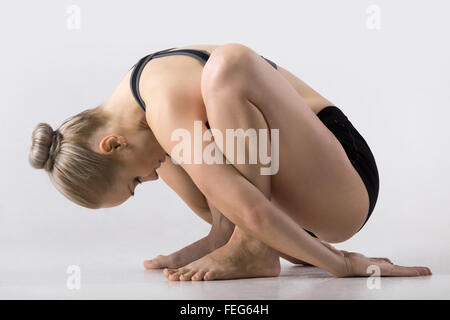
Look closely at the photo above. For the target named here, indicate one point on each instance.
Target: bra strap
(136, 75)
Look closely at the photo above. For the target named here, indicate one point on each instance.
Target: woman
(323, 190)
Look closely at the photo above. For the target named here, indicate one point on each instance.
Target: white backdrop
(392, 82)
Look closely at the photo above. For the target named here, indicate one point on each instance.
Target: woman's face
(140, 155)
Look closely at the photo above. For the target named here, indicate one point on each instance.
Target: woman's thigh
(316, 184)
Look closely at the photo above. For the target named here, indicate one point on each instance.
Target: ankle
(217, 240)
(251, 245)
(219, 237)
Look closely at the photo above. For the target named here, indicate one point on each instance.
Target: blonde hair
(79, 173)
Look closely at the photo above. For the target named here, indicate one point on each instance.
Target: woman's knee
(223, 73)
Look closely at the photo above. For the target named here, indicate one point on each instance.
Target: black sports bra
(201, 55)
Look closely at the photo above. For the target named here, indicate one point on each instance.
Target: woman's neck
(123, 109)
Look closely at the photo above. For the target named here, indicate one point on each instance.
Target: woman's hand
(359, 265)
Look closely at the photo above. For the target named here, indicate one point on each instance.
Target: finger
(382, 260)
(401, 271)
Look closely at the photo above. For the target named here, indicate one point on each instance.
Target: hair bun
(45, 145)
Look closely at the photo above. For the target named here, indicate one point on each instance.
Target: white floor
(35, 253)
(127, 280)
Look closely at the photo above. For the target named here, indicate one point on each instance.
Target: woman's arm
(237, 198)
(180, 182)
(177, 179)
(221, 227)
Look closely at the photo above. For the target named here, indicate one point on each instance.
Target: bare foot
(220, 233)
(186, 255)
(181, 257)
(241, 257)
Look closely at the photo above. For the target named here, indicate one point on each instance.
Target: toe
(198, 276)
(158, 262)
(167, 272)
(187, 275)
(175, 276)
(209, 276)
(152, 264)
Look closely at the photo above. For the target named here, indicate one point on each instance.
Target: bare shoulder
(171, 94)
(169, 78)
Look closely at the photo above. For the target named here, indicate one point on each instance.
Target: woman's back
(155, 69)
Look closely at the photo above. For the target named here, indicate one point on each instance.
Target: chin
(155, 176)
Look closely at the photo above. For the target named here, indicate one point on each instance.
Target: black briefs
(357, 150)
